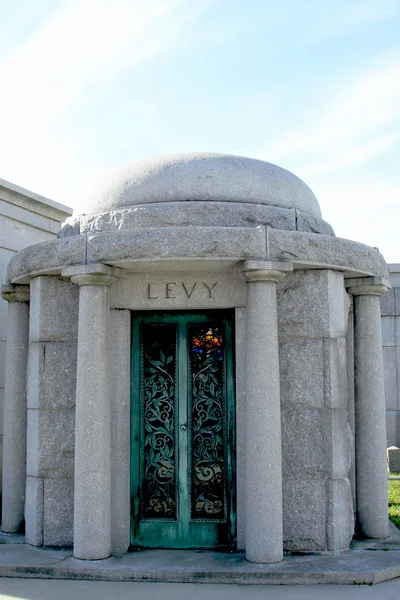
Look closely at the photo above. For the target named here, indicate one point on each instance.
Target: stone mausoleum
(196, 362)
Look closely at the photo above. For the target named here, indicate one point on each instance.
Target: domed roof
(201, 176)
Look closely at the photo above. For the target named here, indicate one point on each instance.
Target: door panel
(182, 463)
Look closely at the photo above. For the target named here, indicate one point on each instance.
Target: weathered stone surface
(178, 214)
(58, 514)
(201, 176)
(240, 393)
(302, 373)
(120, 352)
(46, 257)
(15, 418)
(185, 290)
(394, 460)
(52, 375)
(263, 420)
(392, 427)
(388, 325)
(339, 444)
(306, 442)
(312, 304)
(370, 416)
(34, 511)
(177, 242)
(51, 443)
(390, 376)
(311, 224)
(388, 305)
(304, 515)
(92, 520)
(397, 300)
(335, 372)
(340, 522)
(312, 249)
(54, 310)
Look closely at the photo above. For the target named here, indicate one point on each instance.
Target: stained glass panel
(207, 409)
(158, 454)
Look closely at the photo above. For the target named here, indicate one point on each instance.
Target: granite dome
(201, 177)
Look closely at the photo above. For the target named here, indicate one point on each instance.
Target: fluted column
(92, 486)
(370, 425)
(264, 529)
(14, 438)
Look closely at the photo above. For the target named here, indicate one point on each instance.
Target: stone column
(370, 426)
(14, 439)
(92, 486)
(264, 531)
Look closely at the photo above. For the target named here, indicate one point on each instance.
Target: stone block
(51, 440)
(175, 214)
(51, 375)
(1, 410)
(304, 515)
(311, 224)
(335, 372)
(388, 304)
(120, 352)
(395, 276)
(34, 511)
(46, 257)
(340, 451)
(312, 304)
(306, 442)
(390, 377)
(340, 518)
(3, 315)
(394, 460)
(392, 427)
(186, 290)
(17, 235)
(388, 325)
(324, 251)
(237, 243)
(3, 349)
(58, 519)
(211, 177)
(54, 310)
(397, 301)
(302, 373)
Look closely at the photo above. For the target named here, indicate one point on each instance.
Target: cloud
(338, 19)
(85, 43)
(350, 122)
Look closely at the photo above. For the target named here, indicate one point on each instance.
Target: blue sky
(311, 85)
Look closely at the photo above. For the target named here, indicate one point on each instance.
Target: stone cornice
(15, 293)
(368, 286)
(259, 270)
(94, 274)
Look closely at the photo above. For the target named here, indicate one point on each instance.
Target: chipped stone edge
(305, 250)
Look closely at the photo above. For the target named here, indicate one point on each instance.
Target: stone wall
(317, 502)
(25, 218)
(390, 310)
(51, 382)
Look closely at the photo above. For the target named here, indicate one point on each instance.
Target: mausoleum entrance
(183, 430)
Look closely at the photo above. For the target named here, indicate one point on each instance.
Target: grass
(394, 502)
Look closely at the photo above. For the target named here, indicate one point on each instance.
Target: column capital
(15, 293)
(264, 270)
(367, 286)
(93, 274)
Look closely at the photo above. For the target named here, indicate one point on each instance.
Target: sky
(310, 85)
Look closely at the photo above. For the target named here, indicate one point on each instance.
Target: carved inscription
(172, 290)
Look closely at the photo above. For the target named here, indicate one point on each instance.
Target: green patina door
(183, 428)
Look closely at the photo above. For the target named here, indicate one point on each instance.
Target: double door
(182, 461)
